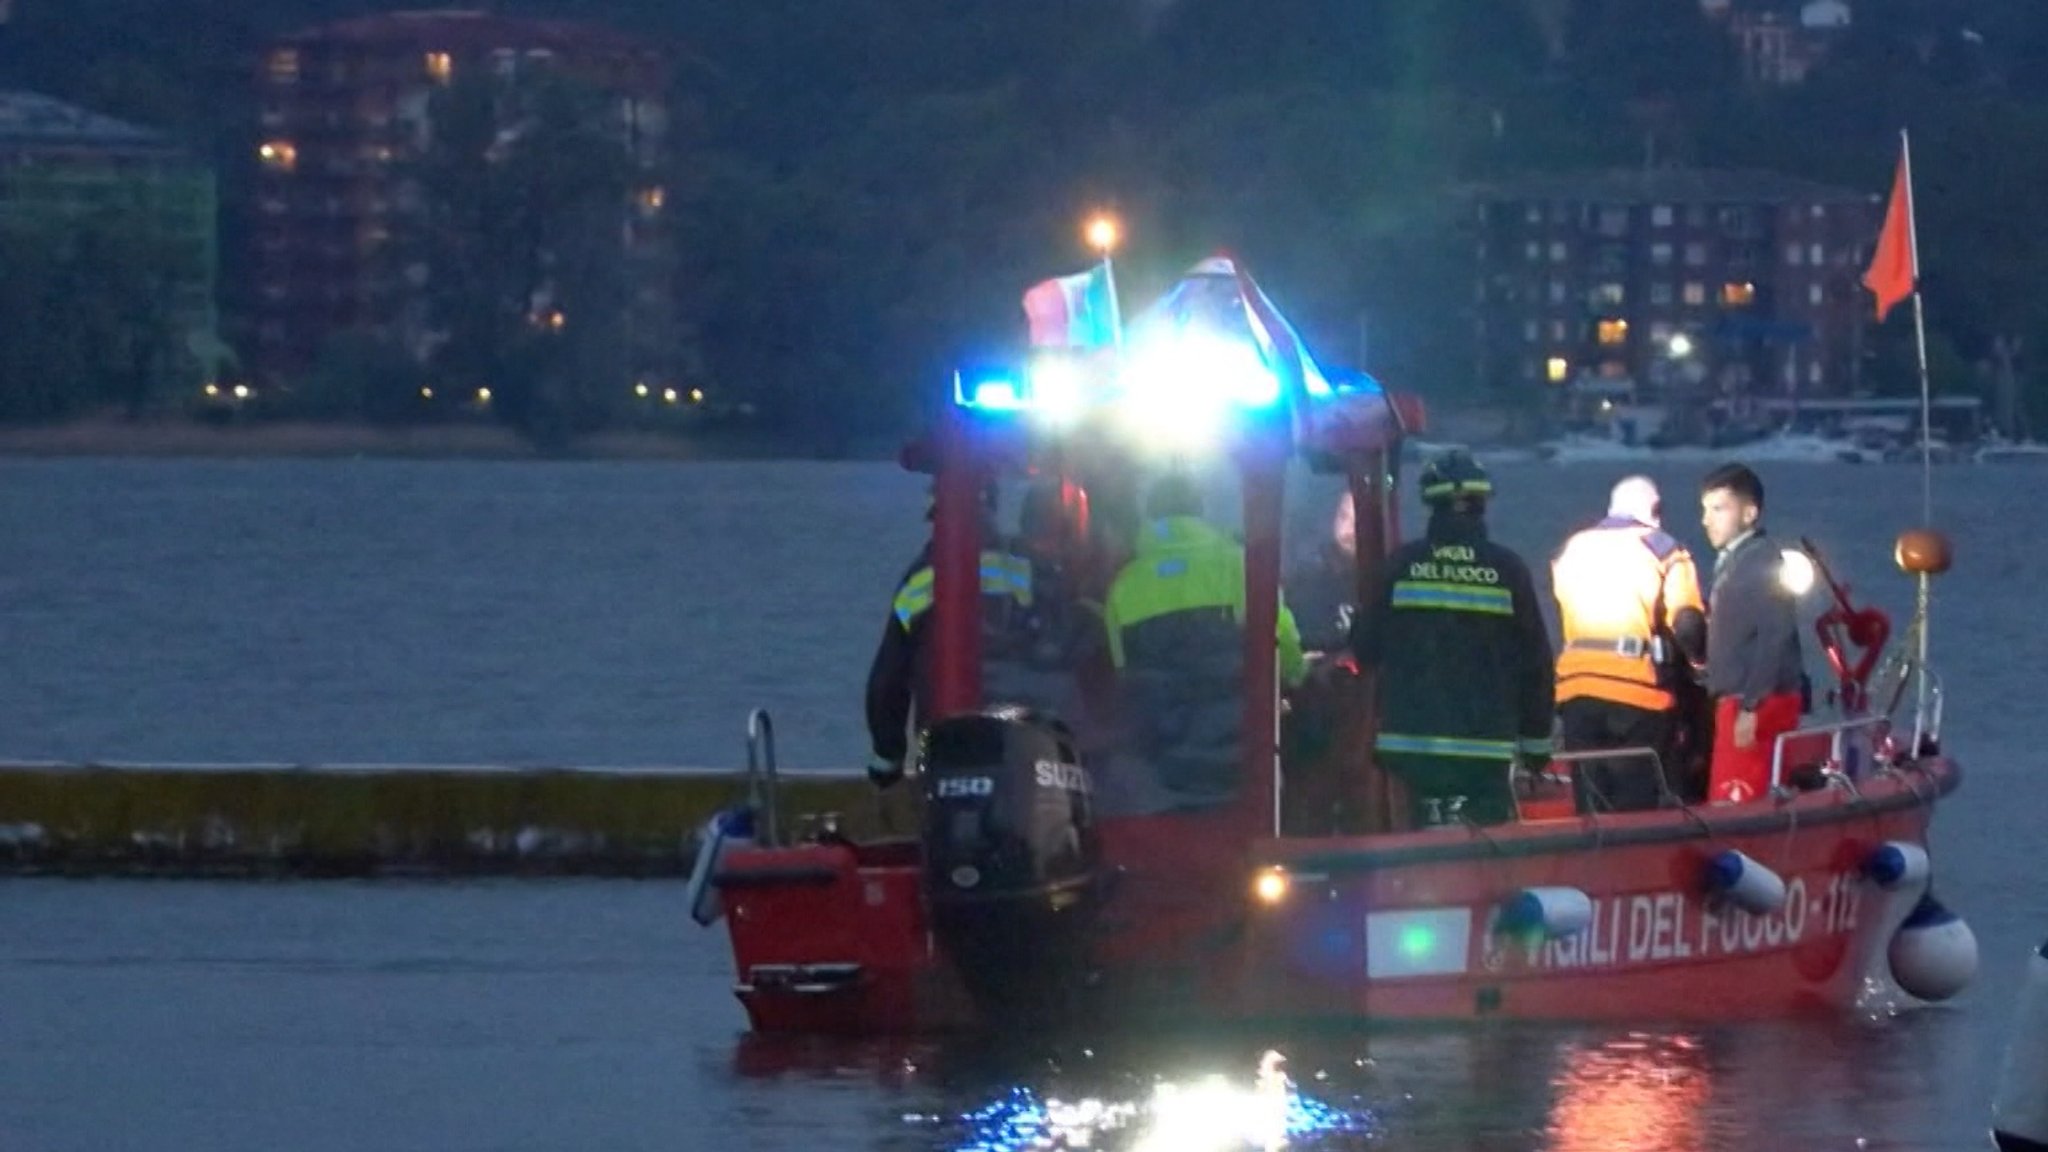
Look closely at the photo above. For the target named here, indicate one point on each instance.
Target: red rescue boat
(1028, 896)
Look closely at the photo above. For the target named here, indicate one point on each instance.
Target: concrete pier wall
(368, 820)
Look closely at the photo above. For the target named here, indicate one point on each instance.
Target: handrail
(761, 790)
(1835, 730)
(1927, 712)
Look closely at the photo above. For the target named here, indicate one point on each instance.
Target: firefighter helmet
(1452, 476)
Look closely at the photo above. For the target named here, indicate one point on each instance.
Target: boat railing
(1641, 755)
(1837, 733)
(1928, 709)
(762, 794)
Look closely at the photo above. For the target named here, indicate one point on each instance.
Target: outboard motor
(1012, 865)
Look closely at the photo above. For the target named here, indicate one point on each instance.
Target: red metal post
(1264, 496)
(954, 661)
(1378, 509)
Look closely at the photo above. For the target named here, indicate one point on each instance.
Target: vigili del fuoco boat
(1056, 875)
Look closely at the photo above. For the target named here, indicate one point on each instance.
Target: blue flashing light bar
(989, 390)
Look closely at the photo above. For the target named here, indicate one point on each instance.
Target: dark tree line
(868, 185)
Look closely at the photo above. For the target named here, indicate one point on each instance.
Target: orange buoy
(1923, 552)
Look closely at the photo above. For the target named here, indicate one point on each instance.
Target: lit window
(440, 66)
(1533, 251)
(1795, 255)
(1738, 295)
(1557, 291)
(1815, 294)
(1814, 254)
(1660, 254)
(284, 66)
(278, 155)
(1557, 369)
(1612, 332)
(1695, 294)
(1557, 252)
(1534, 215)
(651, 199)
(1660, 216)
(1610, 294)
(1532, 331)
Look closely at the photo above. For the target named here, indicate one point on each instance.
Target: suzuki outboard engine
(1012, 866)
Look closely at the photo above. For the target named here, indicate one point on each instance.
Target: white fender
(2019, 1109)
(1745, 883)
(1553, 911)
(1896, 863)
(1933, 954)
(724, 829)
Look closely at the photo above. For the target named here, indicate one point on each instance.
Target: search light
(1796, 571)
(1058, 392)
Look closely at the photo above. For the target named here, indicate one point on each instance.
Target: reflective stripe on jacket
(1002, 576)
(1460, 650)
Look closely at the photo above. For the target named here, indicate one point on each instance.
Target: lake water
(631, 614)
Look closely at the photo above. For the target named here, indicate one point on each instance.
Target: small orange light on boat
(1923, 552)
(1270, 886)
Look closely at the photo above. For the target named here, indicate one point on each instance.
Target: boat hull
(1409, 927)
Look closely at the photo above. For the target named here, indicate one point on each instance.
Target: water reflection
(1502, 1088)
(1208, 1114)
(1642, 1092)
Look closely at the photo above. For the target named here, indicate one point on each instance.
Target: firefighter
(896, 691)
(1633, 623)
(1462, 656)
(1173, 622)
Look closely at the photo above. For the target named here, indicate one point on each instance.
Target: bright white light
(1680, 345)
(1212, 1114)
(1270, 886)
(1796, 571)
(1179, 390)
(999, 394)
(1058, 393)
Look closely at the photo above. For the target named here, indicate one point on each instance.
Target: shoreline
(177, 439)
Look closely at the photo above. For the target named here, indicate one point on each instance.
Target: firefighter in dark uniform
(1463, 659)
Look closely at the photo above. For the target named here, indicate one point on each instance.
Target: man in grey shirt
(1754, 665)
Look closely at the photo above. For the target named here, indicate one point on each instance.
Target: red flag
(1895, 265)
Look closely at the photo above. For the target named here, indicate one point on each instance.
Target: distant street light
(1680, 346)
(1102, 234)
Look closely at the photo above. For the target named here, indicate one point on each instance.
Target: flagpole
(1116, 312)
(1102, 233)
(1923, 592)
(1919, 341)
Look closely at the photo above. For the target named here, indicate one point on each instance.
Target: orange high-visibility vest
(1619, 586)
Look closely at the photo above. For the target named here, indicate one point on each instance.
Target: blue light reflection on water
(1020, 1119)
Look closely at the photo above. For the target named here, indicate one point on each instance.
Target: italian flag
(1077, 311)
